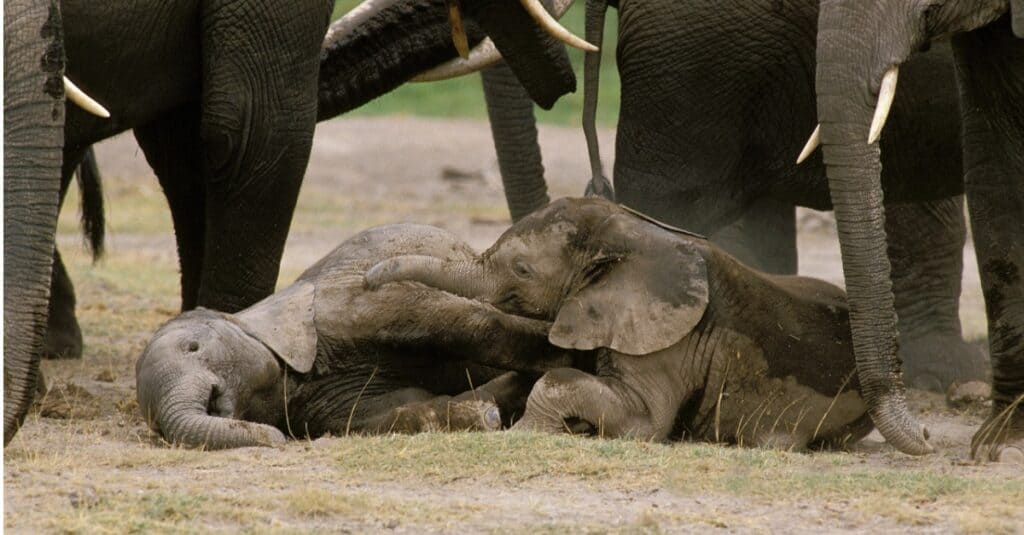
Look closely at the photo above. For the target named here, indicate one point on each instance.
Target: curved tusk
(551, 25)
(76, 95)
(483, 55)
(459, 38)
(886, 94)
(356, 16)
(812, 144)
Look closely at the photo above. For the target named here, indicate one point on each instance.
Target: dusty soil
(84, 461)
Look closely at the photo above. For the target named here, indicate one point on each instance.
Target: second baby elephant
(327, 356)
(690, 343)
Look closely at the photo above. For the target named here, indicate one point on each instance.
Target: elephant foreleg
(569, 400)
(926, 242)
(992, 92)
(172, 148)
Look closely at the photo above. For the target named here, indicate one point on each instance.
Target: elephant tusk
(551, 25)
(76, 95)
(483, 55)
(812, 144)
(459, 38)
(886, 94)
(342, 27)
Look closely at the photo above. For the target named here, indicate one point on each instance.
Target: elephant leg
(926, 243)
(508, 391)
(173, 149)
(991, 83)
(514, 129)
(764, 237)
(569, 400)
(63, 338)
(414, 410)
(259, 105)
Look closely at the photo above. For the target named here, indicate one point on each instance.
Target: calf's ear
(284, 323)
(646, 289)
(1017, 17)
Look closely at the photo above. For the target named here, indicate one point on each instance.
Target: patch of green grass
(463, 97)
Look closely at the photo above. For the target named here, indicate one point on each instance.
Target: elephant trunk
(180, 400)
(33, 143)
(514, 129)
(846, 68)
(464, 278)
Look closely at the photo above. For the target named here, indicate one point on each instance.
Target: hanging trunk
(33, 144)
(514, 129)
(846, 68)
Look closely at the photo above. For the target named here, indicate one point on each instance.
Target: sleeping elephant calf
(327, 356)
(691, 343)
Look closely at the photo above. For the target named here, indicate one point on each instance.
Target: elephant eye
(521, 269)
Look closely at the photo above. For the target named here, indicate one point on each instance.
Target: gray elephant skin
(989, 56)
(325, 355)
(223, 103)
(716, 103)
(690, 342)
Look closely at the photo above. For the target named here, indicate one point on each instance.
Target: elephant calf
(691, 343)
(326, 355)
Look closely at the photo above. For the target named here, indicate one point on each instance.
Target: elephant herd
(586, 315)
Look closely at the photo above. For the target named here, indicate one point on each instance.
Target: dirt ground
(84, 461)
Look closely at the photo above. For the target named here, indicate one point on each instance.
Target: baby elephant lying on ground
(326, 355)
(692, 344)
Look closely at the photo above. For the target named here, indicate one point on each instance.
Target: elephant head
(215, 380)
(859, 50)
(604, 276)
(381, 44)
(33, 141)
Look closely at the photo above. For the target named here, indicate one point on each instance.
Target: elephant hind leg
(63, 338)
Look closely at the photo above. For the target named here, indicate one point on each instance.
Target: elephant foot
(63, 338)
(1001, 438)
(445, 416)
(935, 361)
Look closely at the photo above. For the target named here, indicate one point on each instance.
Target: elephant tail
(90, 188)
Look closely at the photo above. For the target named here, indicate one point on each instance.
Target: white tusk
(886, 94)
(551, 25)
(812, 144)
(358, 15)
(76, 95)
(481, 56)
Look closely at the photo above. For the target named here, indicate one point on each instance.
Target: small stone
(106, 375)
(83, 498)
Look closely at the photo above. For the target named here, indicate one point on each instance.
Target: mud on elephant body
(690, 343)
(327, 356)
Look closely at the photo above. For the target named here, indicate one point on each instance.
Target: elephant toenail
(492, 418)
(1011, 455)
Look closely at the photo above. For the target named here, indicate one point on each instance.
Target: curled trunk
(33, 143)
(464, 278)
(845, 68)
(178, 399)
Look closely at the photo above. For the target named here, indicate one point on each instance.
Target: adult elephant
(713, 112)
(223, 99)
(861, 48)
(33, 123)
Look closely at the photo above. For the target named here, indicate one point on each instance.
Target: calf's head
(604, 276)
(215, 380)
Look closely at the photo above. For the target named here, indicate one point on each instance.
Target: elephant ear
(284, 323)
(646, 289)
(1017, 17)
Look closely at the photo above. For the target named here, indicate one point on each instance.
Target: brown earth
(84, 461)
